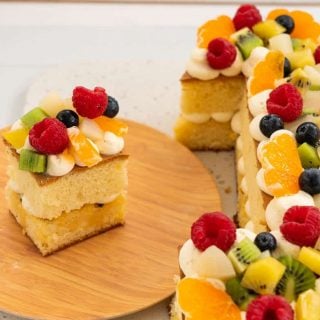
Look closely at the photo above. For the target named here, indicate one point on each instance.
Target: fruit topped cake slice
(67, 169)
(236, 274)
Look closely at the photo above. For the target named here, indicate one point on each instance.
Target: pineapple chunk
(17, 137)
(308, 306)
(311, 258)
(268, 29)
(302, 58)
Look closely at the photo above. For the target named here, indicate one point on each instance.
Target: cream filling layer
(199, 118)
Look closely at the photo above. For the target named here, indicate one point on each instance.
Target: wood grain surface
(126, 269)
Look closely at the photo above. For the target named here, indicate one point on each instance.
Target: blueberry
(265, 241)
(308, 132)
(309, 181)
(68, 117)
(286, 67)
(287, 22)
(270, 123)
(112, 108)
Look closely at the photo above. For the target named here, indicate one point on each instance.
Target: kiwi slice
(308, 156)
(32, 117)
(240, 295)
(32, 161)
(243, 254)
(299, 79)
(246, 41)
(296, 279)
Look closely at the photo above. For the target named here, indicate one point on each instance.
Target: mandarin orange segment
(82, 150)
(275, 13)
(116, 126)
(200, 300)
(267, 72)
(222, 27)
(282, 165)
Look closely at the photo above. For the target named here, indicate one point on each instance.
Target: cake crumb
(227, 190)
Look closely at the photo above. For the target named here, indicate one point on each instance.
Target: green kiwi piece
(296, 279)
(299, 79)
(308, 156)
(240, 295)
(243, 254)
(32, 161)
(32, 117)
(246, 41)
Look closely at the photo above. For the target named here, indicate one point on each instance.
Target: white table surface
(156, 38)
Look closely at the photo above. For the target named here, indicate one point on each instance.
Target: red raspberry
(221, 53)
(286, 102)
(49, 136)
(269, 307)
(317, 55)
(90, 103)
(246, 16)
(301, 225)
(213, 229)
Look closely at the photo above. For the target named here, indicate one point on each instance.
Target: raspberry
(49, 136)
(317, 55)
(269, 307)
(213, 229)
(246, 16)
(221, 53)
(286, 102)
(301, 225)
(90, 103)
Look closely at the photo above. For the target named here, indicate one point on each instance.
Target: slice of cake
(67, 169)
(229, 273)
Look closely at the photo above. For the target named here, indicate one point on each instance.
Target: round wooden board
(126, 269)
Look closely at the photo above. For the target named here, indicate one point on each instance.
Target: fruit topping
(317, 55)
(268, 29)
(269, 307)
(16, 137)
(302, 58)
(287, 67)
(301, 225)
(267, 72)
(112, 108)
(32, 117)
(240, 295)
(308, 306)
(314, 77)
(32, 161)
(309, 181)
(281, 42)
(90, 103)
(308, 156)
(246, 41)
(213, 263)
(311, 258)
(82, 149)
(52, 103)
(205, 302)
(296, 279)
(304, 24)
(300, 80)
(221, 54)
(115, 126)
(213, 229)
(68, 117)
(287, 22)
(265, 241)
(91, 129)
(247, 15)
(49, 136)
(281, 163)
(221, 27)
(286, 102)
(263, 275)
(270, 123)
(244, 253)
